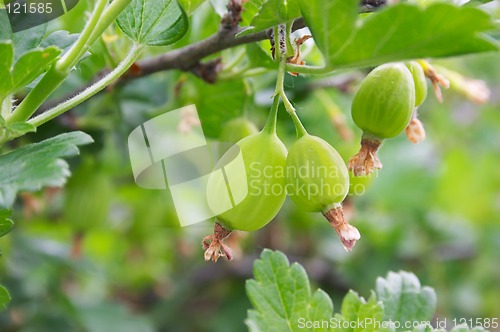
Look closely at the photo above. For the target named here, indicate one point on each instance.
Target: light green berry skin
(358, 185)
(317, 168)
(418, 75)
(264, 157)
(384, 103)
(237, 129)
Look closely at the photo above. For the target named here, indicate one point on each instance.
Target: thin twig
(188, 58)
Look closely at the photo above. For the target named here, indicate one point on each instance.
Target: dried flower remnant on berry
(366, 160)
(415, 131)
(214, 245)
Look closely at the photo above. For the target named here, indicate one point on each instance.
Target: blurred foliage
(102, 254)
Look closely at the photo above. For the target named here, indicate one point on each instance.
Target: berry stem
(270, 126)
(280, 91)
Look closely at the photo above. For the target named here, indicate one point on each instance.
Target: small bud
(436, 78)
(189, 119)
(475, 90)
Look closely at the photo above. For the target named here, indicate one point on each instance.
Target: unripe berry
(382, 108)
(359, 184)
(318, 181)
(237, 129)
(264, 157)
(257, 189)
(419, 80)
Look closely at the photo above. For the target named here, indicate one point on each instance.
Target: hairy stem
(91, 90)
(99, 21)
(280, 90)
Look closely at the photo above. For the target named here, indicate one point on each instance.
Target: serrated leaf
(26, 69)
(426, 328)
(61, 39)
(153, 22)
(281, 295)
(320, 308)
(4, 297)
(190, 6)
(395, 33)
(255, 322)
(458, 328)
(357, 314)
(404, 299)
(272, 13)
(33, 166)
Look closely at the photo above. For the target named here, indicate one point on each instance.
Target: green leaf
(32, 64)
(458, 328)
(404, 299)
(356, 309)
(23, 41)
(21, 128)
(5, 223)
(26, 40)
(281, 295)
(216, 103)
(61, 39)
(190, 6)
(395, 33)
(5, 66)
(272, 13)
(476, 3)
(5, 29)
(26, 69)
(425, 328)
(36, 165)
(4, 297)
(331, 23)
(153, 22)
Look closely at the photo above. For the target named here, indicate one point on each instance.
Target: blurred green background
(103, 254)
